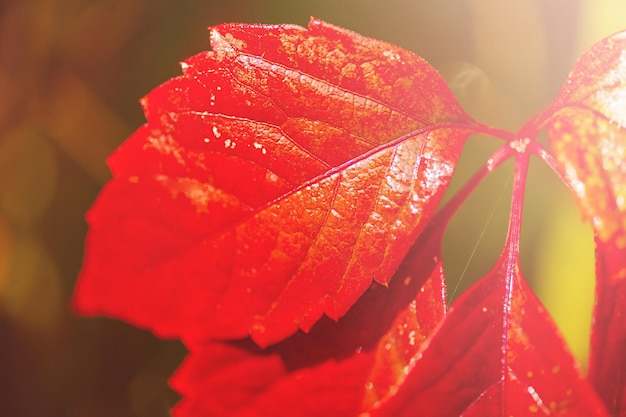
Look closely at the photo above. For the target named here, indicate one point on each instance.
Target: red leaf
(273, 181)
(496, 354)
(587, 129)
(607, 362)
(588, 133)
(338, 369)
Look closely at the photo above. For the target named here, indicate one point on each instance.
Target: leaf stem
(510, 260)
(512, 243)
(495, 132)
(546, 156)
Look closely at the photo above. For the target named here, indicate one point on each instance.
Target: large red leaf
(496, 354)
(587, 127)
(339, 368)
(274, 180)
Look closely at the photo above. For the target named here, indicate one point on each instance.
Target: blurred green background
(71, 74)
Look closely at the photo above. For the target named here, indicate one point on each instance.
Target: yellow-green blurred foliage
(71, 74)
